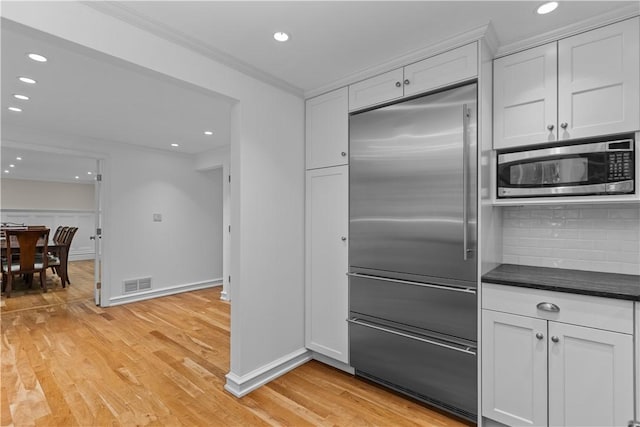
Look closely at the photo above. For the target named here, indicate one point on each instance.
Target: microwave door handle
(465, 186)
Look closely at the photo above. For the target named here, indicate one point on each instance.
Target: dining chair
(31, 247)
(59, 258)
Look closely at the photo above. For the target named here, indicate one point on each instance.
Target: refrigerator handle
(465, 186)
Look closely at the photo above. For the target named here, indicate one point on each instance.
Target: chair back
(31, 255)
(56, 235)
(69, 236)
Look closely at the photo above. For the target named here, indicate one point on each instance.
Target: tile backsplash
(585, 237)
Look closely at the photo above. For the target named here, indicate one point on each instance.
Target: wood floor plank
(162, 362)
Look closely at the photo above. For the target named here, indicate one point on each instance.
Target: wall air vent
(136, 285)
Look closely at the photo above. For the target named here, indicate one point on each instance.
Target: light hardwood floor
(163, 362)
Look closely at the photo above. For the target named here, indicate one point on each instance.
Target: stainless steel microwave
(592, 168)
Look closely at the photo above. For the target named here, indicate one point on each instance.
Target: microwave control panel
(619, 167)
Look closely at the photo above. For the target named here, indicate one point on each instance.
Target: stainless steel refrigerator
(412, 227)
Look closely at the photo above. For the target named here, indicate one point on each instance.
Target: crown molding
(570, 30)
(117, 10)
(403, 60)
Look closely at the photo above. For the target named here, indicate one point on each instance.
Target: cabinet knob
(406, 81)
(550, 127)
(539, 336)
(398, 84)
(343, 154)
(564, 125)
(555, 339)
(343, 238)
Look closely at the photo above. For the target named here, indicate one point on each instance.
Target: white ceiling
(334, 39)
(89, 94)
(46, 166)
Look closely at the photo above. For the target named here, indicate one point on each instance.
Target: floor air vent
(137, 285)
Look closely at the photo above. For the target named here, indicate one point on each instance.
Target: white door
(381, 88)
(599, 89)
(327, 129)
(590, 376)
(514, 369)
(525, 97)
(97, 237)
(456, 65)
(327, 217)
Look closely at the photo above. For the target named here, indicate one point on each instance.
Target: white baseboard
(334, 363)
(81, 256)
(242, 385)
(155, 293)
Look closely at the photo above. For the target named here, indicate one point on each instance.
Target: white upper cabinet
(327, 129)
(582, 86)
(442, 70)
(598, 81)
(438, 71)
(382, 88)
(525, 97)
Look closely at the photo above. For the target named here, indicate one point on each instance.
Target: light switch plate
(157, 217)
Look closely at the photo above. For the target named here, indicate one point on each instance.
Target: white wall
(581, 237)
(27, 194)
(267, 192)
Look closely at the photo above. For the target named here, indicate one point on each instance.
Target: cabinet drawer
(596, 312)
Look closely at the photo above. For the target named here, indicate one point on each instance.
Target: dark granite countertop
(609, 285)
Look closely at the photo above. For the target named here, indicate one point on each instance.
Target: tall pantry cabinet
(327, 224)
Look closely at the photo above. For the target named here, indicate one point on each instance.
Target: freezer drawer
(445, 310)
(431, 372)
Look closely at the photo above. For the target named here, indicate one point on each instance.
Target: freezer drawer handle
(548, 306)
(462, 349)
(407, 282)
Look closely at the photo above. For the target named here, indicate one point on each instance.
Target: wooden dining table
(57, 248)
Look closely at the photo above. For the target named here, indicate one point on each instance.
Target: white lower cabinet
(326, 284)
(538, 370)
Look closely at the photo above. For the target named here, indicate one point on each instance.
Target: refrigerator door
(413, 185)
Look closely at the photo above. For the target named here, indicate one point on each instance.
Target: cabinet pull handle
(406, 81)
(343, 238)
(398, 84)
(555, 339)
(564, 125)
(343, 154)
(547, 306)
(550, 127)
(539, 336)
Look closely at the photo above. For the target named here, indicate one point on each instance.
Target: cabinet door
(590, 376)
(598, 90)
(382, 88)
(442, 70)
(525, 97)
(514, 369)
(327, 129)
(326, 262)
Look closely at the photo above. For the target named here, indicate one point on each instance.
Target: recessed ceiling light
(89, 173)
(27, 80)
(77, 177)
(18, 158)
(208, 132)
(547, 7)
(6, 171)
(280, 36)
(21, 97)
(175, 145)
(12, 166)
(16, 109)
(37, 58)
